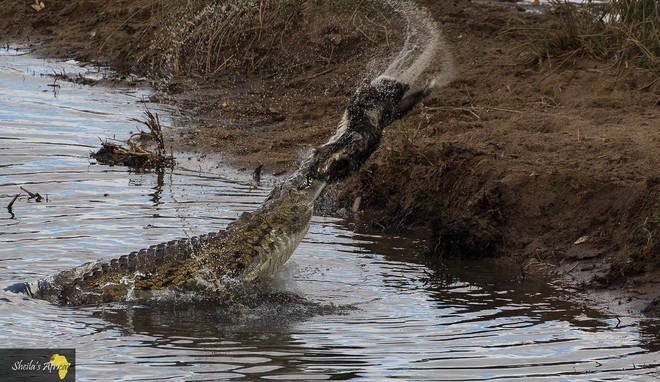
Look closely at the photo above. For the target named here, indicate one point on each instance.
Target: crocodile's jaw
(285, 238)
(286, 241)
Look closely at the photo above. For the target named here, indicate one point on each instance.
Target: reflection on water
(537, 6)
(349, 305)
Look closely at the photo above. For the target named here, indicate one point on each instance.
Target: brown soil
(553, 164)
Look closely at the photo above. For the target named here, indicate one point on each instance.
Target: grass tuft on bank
(201, 37)
(626, 32)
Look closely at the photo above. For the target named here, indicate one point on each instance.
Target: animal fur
(370, 110)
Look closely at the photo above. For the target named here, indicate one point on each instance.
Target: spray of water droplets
(424, 50)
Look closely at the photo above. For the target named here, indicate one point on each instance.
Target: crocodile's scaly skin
(257, 243)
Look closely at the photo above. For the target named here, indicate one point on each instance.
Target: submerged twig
(11, 204)
(32, 195)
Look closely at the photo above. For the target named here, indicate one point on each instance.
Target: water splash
(424, 49)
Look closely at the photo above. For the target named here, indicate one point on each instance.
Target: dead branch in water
(134, 153)
(10, 206)
(31, 195)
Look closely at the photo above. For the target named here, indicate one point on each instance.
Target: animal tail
(33, 289)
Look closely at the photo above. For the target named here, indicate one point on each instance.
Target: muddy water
(348, 306)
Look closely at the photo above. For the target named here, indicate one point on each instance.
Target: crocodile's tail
(34, 289)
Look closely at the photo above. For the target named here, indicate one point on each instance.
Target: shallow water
(348, 306)
(535, 6)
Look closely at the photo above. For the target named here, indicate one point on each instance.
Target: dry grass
(134, 153)
(200, 38)
(623, 31)
(204, 37)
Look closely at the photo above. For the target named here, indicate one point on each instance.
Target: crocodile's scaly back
(258, 243)
(134, 275)
(255, 245)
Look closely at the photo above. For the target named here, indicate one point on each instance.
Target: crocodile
(257, 243)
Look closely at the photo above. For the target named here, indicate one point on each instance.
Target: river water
(349, 305)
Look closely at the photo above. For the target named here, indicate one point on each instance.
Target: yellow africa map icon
(61, 363)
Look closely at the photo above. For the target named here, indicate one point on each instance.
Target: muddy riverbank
(551, 165)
